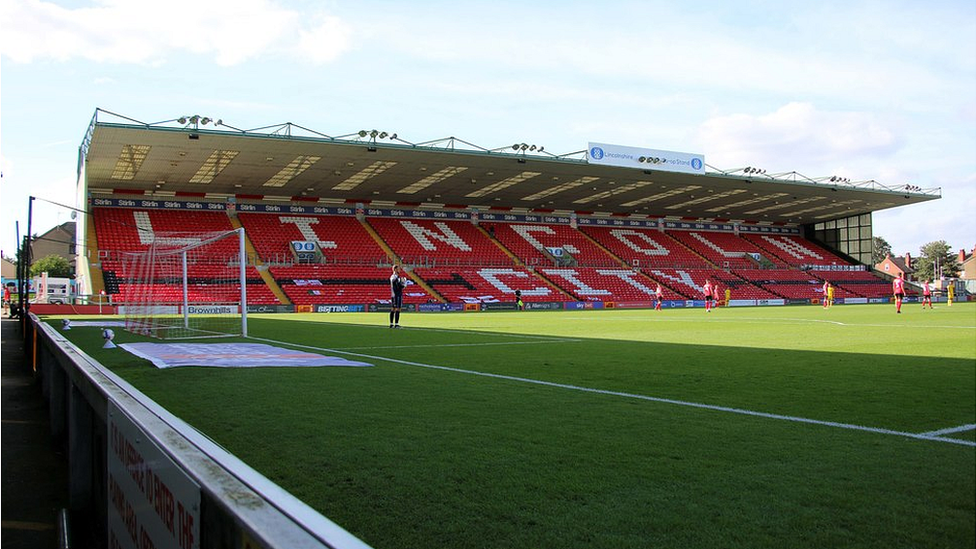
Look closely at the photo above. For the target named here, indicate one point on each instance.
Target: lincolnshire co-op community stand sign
(647, 159)
(151, 502)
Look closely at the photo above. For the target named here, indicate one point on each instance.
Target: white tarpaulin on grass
(230, 355)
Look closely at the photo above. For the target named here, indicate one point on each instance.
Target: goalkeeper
(397, 284)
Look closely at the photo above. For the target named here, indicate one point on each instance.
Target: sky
(882, 90)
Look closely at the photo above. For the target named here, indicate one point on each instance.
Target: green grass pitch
(747, 427)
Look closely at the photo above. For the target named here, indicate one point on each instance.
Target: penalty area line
(701, 406)
(951, 430)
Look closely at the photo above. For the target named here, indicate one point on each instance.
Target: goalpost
(187, 285)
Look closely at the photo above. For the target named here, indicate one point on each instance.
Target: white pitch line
(849, 426)
(950, 430)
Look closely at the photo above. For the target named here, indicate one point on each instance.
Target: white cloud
(150, 32)
(797, 135)
(324, 41)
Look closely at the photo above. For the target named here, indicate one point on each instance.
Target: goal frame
(149, 316)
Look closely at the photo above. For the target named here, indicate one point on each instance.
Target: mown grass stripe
(878, 430)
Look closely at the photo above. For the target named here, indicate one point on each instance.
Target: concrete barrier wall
(139, 476)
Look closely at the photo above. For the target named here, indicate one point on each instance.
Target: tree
(54, 265)
(936, 260)
(881, 250)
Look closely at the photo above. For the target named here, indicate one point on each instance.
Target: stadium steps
(557, 287)
(665, 285)
(491, 236)
(259, 265)
(379, 241)
(272, 284)
(604, 248)
(393, 257)
(694, 252)
(423, 284)
(772, 253)
(95, 277)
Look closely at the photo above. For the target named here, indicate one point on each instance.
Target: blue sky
(882, 90)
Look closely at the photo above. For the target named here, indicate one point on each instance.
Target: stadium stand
(739, 287)
(725, 250)
(465, 264)
(487, 284)
(786, 283)
(596, 284)
(529, 243)
(434, 243)
(645, 247)
(687, 282)
(794, 250)
(341, 239)
(341, 284)
(858, 284)
(121, 230)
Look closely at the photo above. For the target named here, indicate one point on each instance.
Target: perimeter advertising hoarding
(270, 309)
(543, 306)
(385, 308)
(646, 159)
(440, 307)
(578, 305)
(499, 306)
(339, 308)
(151, 501)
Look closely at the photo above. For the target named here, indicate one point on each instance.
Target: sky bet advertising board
(646, 159)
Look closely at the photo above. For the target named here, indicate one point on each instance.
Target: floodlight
(181, 120)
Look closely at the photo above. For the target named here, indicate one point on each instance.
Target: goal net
(187, 285)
